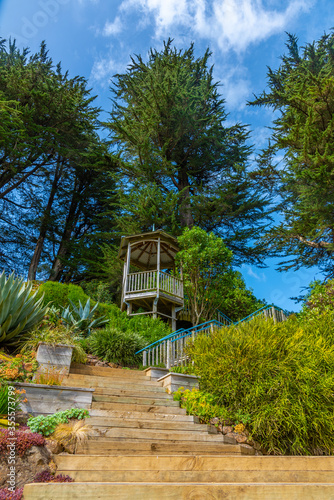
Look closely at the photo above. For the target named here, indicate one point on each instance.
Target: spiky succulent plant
(81, 318)
(19, 308)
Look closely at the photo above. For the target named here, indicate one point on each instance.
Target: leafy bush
(201, 404)
(81, 318)
(47, 424)
(60, 293)
(20, 310)
(282, 375)
(116, 346)
(53, 335)
(23, 441)
(20, 368)
(46, 477)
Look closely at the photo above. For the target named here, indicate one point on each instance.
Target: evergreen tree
(175, 154)
(301, 92)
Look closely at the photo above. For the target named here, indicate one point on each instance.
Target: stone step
(103, 422)
(136, 400)
(177, 491)
(106, 382)
(102, 446)
(160, 434)
(156, 408)
(198, 462)
(101, 371)
(128, 415)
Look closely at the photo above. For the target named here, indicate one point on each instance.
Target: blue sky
(95, 38)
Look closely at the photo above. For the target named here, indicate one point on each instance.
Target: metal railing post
(168, 355)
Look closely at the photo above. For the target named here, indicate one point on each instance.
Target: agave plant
(81, 318)
(19, 309)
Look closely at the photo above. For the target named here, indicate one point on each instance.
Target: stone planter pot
(173, 381)
(54, 357)
(156, 373)
(48, 399)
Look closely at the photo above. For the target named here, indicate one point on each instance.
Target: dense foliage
(210, 283)
(53, 168)
(281, 374)
(46, 424)
(302, 91)
(115, 346)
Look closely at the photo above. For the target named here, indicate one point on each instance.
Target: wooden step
(160, 434)
(101, 371)
(198, 462)
(142, 392)
(142, 423)
(136, 400)
(155, 408)
(177, 491)
(146, 415)
(200, 476)
(104, 382)
(102, 446)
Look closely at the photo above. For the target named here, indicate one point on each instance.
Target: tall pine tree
(177, 157)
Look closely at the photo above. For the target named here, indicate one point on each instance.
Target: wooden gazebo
(153, 287)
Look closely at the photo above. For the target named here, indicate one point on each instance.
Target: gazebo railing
(148, 280)
(170, 350)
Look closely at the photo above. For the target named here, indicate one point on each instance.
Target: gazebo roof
(144, 248)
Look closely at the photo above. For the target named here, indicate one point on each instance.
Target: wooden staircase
(144, 446)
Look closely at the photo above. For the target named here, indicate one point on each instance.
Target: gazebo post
(155, 302)
(128, 257)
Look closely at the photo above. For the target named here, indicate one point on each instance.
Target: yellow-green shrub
(281, 374)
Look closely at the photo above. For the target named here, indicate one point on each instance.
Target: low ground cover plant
(280, 374)
(46, 424)
(23, 441)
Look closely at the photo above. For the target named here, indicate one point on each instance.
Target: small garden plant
(46, 425)
(20, 368)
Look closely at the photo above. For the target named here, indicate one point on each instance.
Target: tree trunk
(44, 225)
(71, 220)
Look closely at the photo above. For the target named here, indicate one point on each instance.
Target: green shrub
(53, 335)
(116, 346)
(147, 327)
(46, 424)
(20, 310)
(281, 374)
(201, 404)
(59, 294)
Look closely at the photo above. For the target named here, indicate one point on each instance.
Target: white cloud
(102, 71)
(233, 24)
(253, 274)
(113, 28)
